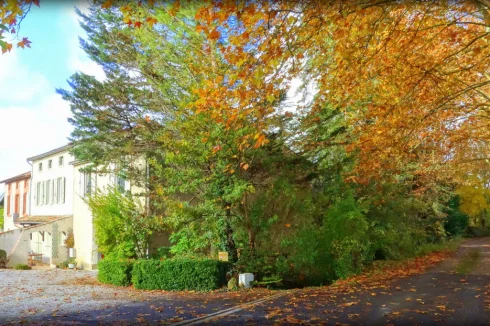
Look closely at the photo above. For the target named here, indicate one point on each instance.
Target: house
(44, 216)
(16, 198)
(85, 184)
(48, 203)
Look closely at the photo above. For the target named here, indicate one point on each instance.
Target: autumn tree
(12, 13)
(410, 76)
(200, 91)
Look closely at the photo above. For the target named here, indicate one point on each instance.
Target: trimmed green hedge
(178, 274)
(22, 267)
(115, 271)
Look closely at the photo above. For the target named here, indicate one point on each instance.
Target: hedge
(178, 274)
(115, 271)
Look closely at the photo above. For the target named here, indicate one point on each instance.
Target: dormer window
(40, 167)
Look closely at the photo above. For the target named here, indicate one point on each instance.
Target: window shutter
(63, 184)
(38, 192)
(55, 191)
(43, 190)
(48, 189)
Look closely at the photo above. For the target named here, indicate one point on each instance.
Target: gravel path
(67, 297)
(55, 292)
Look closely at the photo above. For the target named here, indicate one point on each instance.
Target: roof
(26, 175)
(39, 219)
(51, 152)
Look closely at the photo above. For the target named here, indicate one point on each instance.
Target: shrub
(70, 240)
(115, 271)
(120, 224)
(22, 267)
(456, 221)
(3, 258)
(179, 274)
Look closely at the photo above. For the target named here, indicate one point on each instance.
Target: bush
(3, 258)
(456, 221)
(115, 271)
(22, 267)
(120, 225)
(179, 274)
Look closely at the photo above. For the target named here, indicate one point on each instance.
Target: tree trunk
(251, 240)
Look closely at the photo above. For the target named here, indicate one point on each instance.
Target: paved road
(456, 292)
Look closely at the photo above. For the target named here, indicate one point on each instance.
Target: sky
(33, 118)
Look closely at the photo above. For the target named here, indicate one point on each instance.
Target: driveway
(455, 292)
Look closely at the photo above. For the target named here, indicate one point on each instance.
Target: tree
(230, 168)
(411, 77)
(12, 13)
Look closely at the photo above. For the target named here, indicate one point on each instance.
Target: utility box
(245, 279)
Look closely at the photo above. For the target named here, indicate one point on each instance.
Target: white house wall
(40, 207)
(8, 240)
(18, 243)
(83, 229)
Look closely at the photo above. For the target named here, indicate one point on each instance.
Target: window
(40, 165)
(50, 164)
(60, 161)
(16, 204)
(17, 185)
(60, 190)
(25, 183)
(120, 183)
(62, 238)
(8, 205)
(88, 184)
(10, 186)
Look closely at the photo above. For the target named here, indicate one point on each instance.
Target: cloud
(31, 130)
(17, 82)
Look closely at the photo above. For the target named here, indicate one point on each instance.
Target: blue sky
(28, 78)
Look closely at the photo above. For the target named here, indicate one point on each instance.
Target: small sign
(223, 256)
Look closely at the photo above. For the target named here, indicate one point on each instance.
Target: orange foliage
(12, 12)
(411, 77)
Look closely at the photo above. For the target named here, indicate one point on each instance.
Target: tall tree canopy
(411, 77)
(392, 118)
